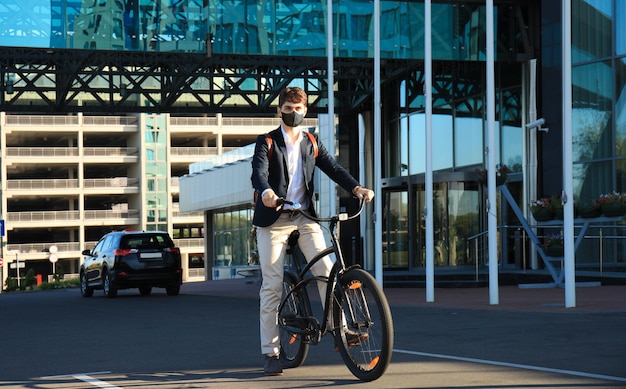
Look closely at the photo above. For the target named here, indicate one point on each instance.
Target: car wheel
(109, 290)
(173, 290)
(145, 291)
(85, 290)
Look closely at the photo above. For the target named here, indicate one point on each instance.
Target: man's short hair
(292, 94)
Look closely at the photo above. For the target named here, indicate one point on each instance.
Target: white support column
(568, 188)
(428, 183)
(331, 92)
(492, 215)
(378, 198)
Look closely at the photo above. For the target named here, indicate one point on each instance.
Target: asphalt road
(57, 339)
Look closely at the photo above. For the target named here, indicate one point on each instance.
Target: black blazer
(272, 172)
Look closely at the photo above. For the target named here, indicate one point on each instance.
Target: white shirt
(296, 191)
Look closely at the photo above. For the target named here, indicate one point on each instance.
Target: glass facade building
(275, 30)
(252, 27)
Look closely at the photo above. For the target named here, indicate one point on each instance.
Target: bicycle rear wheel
(364, 327)
(293, 345)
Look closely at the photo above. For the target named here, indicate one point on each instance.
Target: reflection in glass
(441, 138)
(259, 27)
(591, 131)
(468, 141)
(620, 27)
(620, 106)
(462, 208)
(417, 144)
(593, 39)
(590, 180)
(512, 138)
(404, 143)
(396, 235)
(440, 224)
(234, 240)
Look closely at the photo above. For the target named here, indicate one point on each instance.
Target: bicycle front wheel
(363, 325)
(293, 345)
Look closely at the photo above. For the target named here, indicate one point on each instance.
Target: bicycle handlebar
(340, 217)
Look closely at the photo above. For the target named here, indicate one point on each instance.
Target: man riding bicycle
(283, 167)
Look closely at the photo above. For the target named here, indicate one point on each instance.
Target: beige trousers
(272, 245)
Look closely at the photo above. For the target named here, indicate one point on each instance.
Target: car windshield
(145, 242)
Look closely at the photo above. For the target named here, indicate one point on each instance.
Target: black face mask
(292, 119)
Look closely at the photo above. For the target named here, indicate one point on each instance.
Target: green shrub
(59, 284)
(30, 279)
(10, 284)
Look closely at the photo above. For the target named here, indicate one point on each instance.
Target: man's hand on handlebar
(270, 200)
(363, 193)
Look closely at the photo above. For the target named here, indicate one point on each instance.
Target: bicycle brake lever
(293, 205)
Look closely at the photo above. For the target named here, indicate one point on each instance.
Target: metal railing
(189, 242)
(109, 214)
(43, 247)
(42, 120)
(110, 151)
(478, 246)
(234, 121)
(46, 152)
(53, 183)
(50, 152)
(64, 247)
(56, 183)
(43, 216)
(110, 120)
(195, 122)
(117, 182)
(196, 272)
(69, 120)
(49, 216)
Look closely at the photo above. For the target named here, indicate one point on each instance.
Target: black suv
(131, 259)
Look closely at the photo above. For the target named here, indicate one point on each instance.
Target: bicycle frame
(362, 325)
(336, 271)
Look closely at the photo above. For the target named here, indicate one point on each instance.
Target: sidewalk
(611, 298)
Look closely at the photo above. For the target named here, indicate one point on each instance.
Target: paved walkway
(610, 298)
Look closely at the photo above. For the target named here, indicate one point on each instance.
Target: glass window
(296, 27)
(468, 141)
(512, 138)
(395, 226)
(621, 176)
(620, 27)
(592, 23)
(591, 112)
(442, 142)
(620, 107)
(497, 141)
(417, 144)
(440, 222)
(234, 241)
(590, 180)
(464, 221)
(404, 146)
(196, 261)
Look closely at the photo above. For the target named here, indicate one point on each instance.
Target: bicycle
(361, 321)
